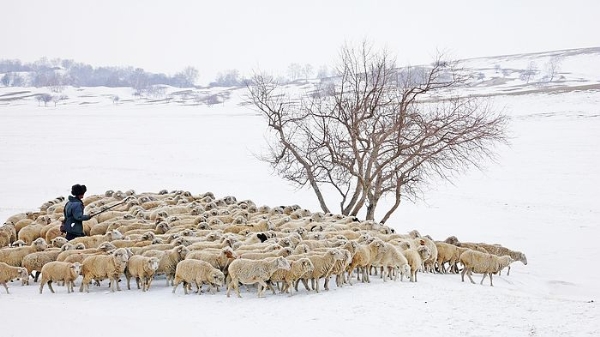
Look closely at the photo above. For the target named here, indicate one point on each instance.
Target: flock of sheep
(200, 240)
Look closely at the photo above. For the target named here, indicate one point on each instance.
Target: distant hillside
(552, 72)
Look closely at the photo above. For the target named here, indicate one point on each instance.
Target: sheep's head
(107, 247)
(18, 243)
(306, 265)
(121, 256)
(114, 234)
(153, 263)
(523, 258)
(218, 278)
(58, 241)
(76, 268)
(182, 251)
(148, 236)
(424, 252)
(40, 244)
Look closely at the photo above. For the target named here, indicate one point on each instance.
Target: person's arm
(78, 213)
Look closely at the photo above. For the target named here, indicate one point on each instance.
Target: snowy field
(539, 198)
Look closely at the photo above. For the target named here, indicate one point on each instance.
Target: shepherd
(74, 217)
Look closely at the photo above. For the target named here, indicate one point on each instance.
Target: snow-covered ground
(540, 198)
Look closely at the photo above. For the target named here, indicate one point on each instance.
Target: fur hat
(78, 189)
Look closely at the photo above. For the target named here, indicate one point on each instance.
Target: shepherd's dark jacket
(74, 216)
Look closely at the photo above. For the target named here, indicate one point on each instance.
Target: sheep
(363, 258)
(14, 256)
(142, 268)
(448, 253)
(501, 251)
(9, 273)
(482, 263)
(197, 272)
(168, 260)
(60, 271)
(298, 268)
(391, 259)
(339, 269)
(415, 258)
(99, 267)
(323, 267)
(254, 271)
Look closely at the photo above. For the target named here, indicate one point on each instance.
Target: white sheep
(197, 272)
(143, 269)
(9, 273)
(99, 267)
(482, 263)
(415, 258)
(254, 271)
(60, 271)
(323, 267)
(392, 262)
(501, 251)
(298, 269)
(168, 260)
(448, 253)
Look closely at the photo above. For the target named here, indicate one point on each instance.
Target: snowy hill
(499, 75)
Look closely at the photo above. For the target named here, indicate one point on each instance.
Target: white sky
(165, 36)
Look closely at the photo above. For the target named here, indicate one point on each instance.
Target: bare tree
(376, 131)
(553, 66)
(307, 71)
(530, 72)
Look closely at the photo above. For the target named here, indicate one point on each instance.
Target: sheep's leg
(137, 282)
(508, 272)
(50, 286)
(270, 286)
(261, 288)
(5, 287)
(469, 274)
(483, 278)
(41, 286)
(491, 284)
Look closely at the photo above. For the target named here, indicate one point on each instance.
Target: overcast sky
(165, 36)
